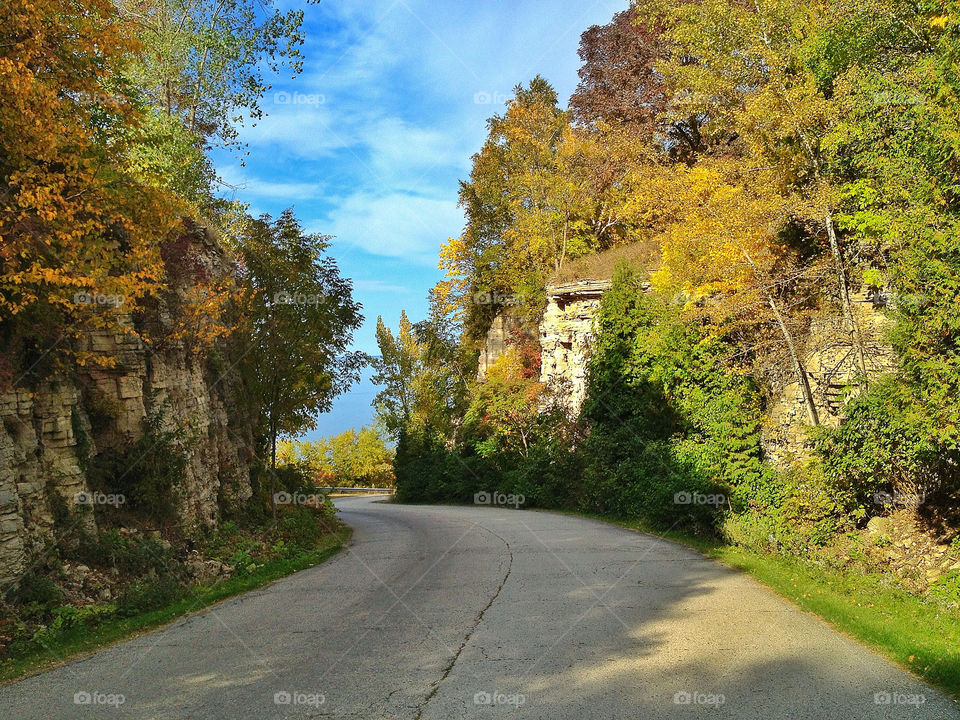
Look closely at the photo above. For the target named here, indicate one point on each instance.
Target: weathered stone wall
(495, 343)
(566, 334)
(45, 432)
(832, 369)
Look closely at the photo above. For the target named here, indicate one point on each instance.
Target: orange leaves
(505, 401)
(71, 220)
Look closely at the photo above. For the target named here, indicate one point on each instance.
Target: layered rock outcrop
(51, 428)
(567, 332)
(833, 371)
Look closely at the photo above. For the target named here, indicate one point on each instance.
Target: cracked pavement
(435, 613)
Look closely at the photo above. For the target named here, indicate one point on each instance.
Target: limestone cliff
(567, 331)
(52, 427)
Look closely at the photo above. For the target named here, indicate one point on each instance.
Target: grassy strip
(919, 635)
(82, 639)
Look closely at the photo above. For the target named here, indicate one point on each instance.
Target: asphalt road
(450, 612)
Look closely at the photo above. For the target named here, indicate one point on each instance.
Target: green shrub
(130, 554)
(293, 478)
(304, 526)
(134, 554)
(884, 443)
(667, 420)
(802, 512)
(149, 594)
(285, 550)
(36, 593)
(947, 588)
(242, 562)
(146, 473)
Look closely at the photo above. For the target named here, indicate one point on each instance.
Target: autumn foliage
(71, 221)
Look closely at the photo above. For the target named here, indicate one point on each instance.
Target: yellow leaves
(447, 297)
(68, 205)
(454, 256)
(718, 242)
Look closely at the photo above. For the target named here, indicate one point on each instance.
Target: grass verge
(919, 635)
(82, 639)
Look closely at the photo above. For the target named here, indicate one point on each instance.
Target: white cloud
(404, 155)
(378, 286)
(304, 130)
(397, 225)
(248, 187)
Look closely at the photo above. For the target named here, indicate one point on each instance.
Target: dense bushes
(885, 445)
(670, 434)
(91, 574)
(149, 594)
(796, 511)
(131, 554)
(666, 433)
(668, 421)
(146, 472)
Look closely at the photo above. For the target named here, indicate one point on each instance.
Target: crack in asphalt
(476, 623)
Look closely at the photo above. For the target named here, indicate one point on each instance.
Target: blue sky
(369, 142)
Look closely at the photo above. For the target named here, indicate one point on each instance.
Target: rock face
(502, 327)
(832, 371)
(566, 333)
(49, 432)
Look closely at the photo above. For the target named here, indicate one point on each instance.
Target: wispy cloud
(399, 225)
(250, 188)
(378, 286)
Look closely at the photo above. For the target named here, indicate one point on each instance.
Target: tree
(666, 411)
(350, 458)
(422, 369)
(518, 209)
(205, 59)
(897, 144)
(768, 71)
(621, 85)
(506, 402)
(540, 194)
(301, 321)
(396, 369)
(725, 250)
(73, 224)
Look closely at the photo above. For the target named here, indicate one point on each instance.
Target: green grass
(918, 635)
(82, 639)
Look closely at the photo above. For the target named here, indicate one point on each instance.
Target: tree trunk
(856, 339)
(273, 471)
(812, 415)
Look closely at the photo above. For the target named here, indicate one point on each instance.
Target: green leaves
(883, 443)
(203, 61)
(422, 371)
(658, 377)
(301, 317)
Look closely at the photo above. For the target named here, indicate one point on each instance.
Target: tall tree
(539, 195)
(725, 245)
(622, 86)
(73, 224)
(422, 371)
(302, 317)
(767, 71)
(206, 59)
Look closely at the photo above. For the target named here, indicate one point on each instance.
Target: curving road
(457, 612)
